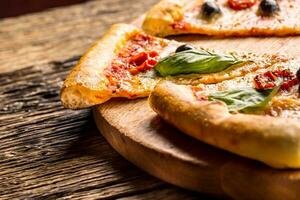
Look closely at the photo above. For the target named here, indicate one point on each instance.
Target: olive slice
(268, 7)
(184, 47)
(210, 9)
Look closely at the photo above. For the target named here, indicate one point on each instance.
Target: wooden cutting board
(138, 134)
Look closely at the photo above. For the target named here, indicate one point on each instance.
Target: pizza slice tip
(87, 84)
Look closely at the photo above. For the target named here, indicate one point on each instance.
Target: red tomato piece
(288, 84)
(153, 54)
(262, 82)
(241, 4)
(139, 58)
(143, 62)
(152, 62)
(270, 75)
(267, 80)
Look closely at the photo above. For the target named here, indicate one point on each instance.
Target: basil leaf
(271, 93)
(194, 61)
(245, 99)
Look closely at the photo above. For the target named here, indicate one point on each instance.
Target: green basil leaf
(195, 61)
(271, 93)
(245, 99)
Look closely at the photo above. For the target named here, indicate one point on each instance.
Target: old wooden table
(48, 152)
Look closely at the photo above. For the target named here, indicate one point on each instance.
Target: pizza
(116, 66)
(255, 116)
(128, 63)
(224, 17)
(241, 102)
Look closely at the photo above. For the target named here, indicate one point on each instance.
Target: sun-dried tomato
(143, 62)
(267, 80)
(288, 84)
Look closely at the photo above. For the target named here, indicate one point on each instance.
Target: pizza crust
(86, 84)
(159, 18)
(172, 17)
(274, 141)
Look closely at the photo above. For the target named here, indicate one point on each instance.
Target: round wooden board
(138, 134)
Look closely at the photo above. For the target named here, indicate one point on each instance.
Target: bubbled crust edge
(274, 141)
(87, 85)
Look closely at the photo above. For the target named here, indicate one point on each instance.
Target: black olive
(184, 47)
(209, 9)
(268, 7)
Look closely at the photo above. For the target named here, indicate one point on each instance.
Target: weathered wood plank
(165, 194)
(49, 152)
(61, 33)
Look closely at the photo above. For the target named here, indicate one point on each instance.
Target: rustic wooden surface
(48, 152)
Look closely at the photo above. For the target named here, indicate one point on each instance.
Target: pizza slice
(224, 17)
(256, 116)
(128, 63)
(116, 66)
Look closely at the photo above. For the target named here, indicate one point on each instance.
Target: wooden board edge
(135, 153)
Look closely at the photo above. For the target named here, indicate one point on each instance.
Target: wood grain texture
(48, 152)
(61, 33)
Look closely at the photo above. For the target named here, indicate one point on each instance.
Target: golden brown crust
(274, 141)
(173, 17)
(162, 15)
(86, 84)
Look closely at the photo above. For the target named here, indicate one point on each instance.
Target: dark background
(10, 8)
